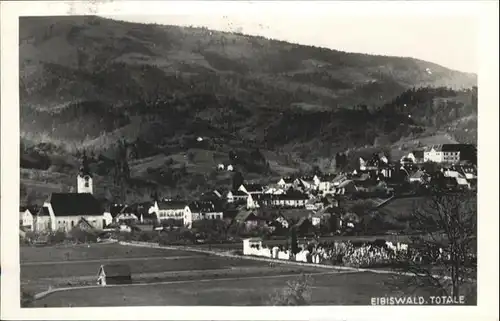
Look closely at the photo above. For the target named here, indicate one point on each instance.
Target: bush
(296, 293)
(176, 237)
(57, 237)
(81, 236)
(26, 299)
(147, 236)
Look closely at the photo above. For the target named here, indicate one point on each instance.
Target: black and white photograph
(249, 160)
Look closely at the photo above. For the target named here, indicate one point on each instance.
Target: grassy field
(98, 251)
(401, 207)
(57, 266)
(326, 289)
(167, 277)
(142, 265)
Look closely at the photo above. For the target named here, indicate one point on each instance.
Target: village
(321, 204)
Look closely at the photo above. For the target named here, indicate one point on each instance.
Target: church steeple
(84, 166)
(84, 178)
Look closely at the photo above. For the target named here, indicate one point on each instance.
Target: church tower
(84, 178)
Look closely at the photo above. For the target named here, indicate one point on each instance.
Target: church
(64, 211)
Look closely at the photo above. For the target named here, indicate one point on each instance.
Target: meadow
(327, 288)
(171, 277)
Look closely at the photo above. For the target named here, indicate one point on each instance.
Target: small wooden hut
(114, 274)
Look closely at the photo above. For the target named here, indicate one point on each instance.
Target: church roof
(172, 204)
(75, 204)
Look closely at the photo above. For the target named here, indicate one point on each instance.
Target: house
(229, 168)
(419, 177)
(280, 219)
(463, 182)
(387, 171)
(289, 217)
(148, 218)
(220, 167)
(453, 173)
(201, 210)
(123, 213)
(469, 172)
(62, 211)
(305, 183)
(250, 243)
(383, 159)
(415, 157)
(26, 219)
(291, 200)
(85, 225)
(313, 205)
(168, 209)
(324, 183)
(142, 212)
(249, 218)
(251, 189)
(217, 193)
(114, 274)
(339, 179)
(346, 187)
(367, 165)
(274, 190)
(329, 212)
(444, 153)
(286, 182)
(308, 182)
(451, 153)
(322, 217)
(253, 201)
(108, 218)
(330, 200)
(236, 196)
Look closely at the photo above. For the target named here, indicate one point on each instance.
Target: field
(328, 288)
(168, 277)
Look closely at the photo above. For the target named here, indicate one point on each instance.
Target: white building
(168, 209)
(84, 178)
(445, 153)
(285, 182)
(201, 210)
(26, 219)
(63, 211)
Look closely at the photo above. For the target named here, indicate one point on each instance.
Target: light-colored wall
(190, 217)
(53, 223)
(108, 218)
(442, 157)
(27, 219)
(66, 223)
(42, 224)
(177, 213)
(82, 186)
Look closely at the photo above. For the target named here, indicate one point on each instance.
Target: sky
(448, 40)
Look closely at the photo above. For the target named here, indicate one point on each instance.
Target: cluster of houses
(301, 200)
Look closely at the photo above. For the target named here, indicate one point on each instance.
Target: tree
(238, 180)
(448, 248)
(293, 241)
(122, 169)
